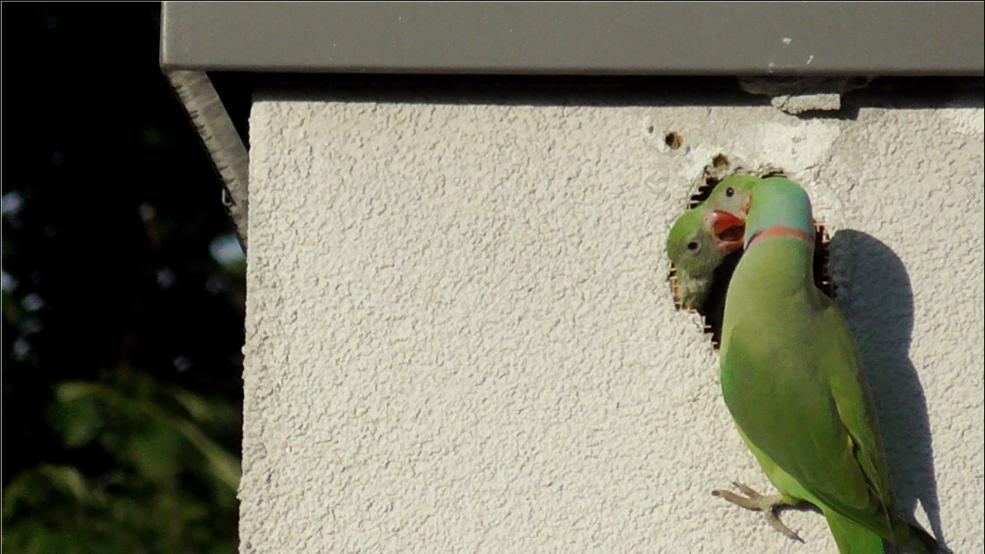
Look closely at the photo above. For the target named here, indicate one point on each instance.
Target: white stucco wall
(460, 336)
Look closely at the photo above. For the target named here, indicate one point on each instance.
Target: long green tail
(853, 538)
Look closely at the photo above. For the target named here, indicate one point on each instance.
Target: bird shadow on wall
(875, 295)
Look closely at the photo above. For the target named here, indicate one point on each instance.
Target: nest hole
(712, 311)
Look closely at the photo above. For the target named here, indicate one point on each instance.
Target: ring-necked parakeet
(791, 378)
(696, 249)
(703, 236)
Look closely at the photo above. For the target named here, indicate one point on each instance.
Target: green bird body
(696, 245)
(791, 378)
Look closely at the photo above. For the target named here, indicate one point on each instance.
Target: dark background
(123, 293)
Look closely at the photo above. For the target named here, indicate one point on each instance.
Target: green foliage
(166, 479)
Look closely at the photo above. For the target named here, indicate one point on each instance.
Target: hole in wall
(713, 308)
(673, 140)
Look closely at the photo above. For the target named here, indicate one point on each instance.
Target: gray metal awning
(701, 38)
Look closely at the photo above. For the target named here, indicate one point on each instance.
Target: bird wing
(797, 394)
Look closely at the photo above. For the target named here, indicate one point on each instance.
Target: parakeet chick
(703, 236)
(696, 250)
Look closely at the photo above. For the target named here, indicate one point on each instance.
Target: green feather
(691, 243)
(791, 377)
(691, 248)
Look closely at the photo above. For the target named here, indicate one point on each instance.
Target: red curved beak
(729, 231)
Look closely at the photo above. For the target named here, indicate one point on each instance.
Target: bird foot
(765, 504)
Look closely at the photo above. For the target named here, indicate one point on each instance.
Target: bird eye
(729, 192)
(692, 246)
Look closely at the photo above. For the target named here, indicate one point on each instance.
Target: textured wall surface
(460, 336)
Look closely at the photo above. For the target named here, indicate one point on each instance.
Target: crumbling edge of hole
(701, 188)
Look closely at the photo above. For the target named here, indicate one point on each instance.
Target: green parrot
(791, 378)
(703, 236)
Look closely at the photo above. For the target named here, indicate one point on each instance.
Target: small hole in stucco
(713, 309)
(673, 140)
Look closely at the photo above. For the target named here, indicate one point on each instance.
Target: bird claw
(759, 503)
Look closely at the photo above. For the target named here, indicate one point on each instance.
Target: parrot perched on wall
(703, 236)
(791, 378)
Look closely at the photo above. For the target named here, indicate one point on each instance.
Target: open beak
(729, 231)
